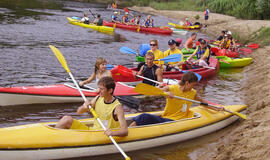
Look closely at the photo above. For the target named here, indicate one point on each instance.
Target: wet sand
(247, 139)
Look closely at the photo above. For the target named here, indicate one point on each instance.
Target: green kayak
(227, 62)
(185, 51)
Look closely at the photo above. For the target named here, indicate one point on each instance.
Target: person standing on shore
(206, 16)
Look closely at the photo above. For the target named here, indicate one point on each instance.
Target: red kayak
(204, 72)
(224, 52)
(58, 93)
(155, 30)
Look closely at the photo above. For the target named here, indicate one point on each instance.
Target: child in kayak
(125, 19)
(175, 109)
(100, 71)
(115, 18)
(109, 110)
(149, 22)
(202, 53)
(85, 19)
(98, 21)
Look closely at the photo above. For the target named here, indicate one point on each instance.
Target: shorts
(78, 125)
(206, 17)
(145, 119)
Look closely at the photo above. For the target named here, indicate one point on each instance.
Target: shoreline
(247, 139)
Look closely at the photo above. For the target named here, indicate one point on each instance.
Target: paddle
(62, 61)
(171, 58)
(127, 50)
(151, 90)
(253, 45)
(127, 72)
(92, 13)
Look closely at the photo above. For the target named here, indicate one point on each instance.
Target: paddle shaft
(202, 103)
(149, 79)
(62, 60)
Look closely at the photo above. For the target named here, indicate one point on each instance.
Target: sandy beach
(247, 139)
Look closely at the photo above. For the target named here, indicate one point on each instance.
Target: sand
(247, 139)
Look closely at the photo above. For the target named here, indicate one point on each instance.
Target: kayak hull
(226, 62)
(59, 93)
(103, 29)
(154, 30)
(204, 72)
(42, 141)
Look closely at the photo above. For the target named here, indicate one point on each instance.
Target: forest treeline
(244, 9)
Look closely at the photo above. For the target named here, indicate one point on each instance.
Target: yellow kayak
(177, 26)
(43, 141)
(103, 29)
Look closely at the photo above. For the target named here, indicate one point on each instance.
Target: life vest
(147, 23)
(150, 73)
(114, 17)
(125, 19)
(226, 44)
(100, 22)
(200, 52)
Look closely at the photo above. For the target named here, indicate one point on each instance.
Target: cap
(115, 12)
(126, 12)
(171, 41)
(202, 41)
(186, 19)
(229, 33)
(179, 40)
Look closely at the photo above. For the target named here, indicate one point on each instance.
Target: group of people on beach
(226, 41)
(110, 110)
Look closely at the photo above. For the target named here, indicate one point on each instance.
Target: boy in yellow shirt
(175, 109)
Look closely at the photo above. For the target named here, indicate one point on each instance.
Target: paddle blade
(147, 89)
(197, 75)
(246, 50)
(254, 45)
(60, 57)
(172, 58)
(171, 24)
(124, 71)
(109, 66)
(127, 50)
(240, 115)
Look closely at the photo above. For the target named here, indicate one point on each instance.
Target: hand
(170, 95)
(81, 83)
(108, 132)
(86, 103)
(161, 85)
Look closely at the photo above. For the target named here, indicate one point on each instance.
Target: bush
(197, 17)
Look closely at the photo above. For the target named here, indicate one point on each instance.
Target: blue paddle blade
(144, 48)
(172, 58)
(109, 66)
(197, 74)
(77, 18)
(127, 50)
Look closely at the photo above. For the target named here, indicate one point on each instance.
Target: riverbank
(247, 139)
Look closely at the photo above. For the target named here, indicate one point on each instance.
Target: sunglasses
(153, 44)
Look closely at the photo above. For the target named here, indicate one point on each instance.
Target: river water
(29, 26)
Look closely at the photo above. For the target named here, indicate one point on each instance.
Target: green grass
(184, 5)
(261, 36)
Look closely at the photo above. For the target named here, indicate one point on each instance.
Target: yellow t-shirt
(158, 55)
(226, 44)
(176, 109)
(176, 51)
(105, 114)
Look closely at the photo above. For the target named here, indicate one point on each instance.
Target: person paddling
(100, 71)
(85, 19)
(157, 53)
(115, 18)
(150, 70)
(125, 19)
(202, 53)
(98, 21)
(189, 42)
(109, 110)
(175, 109)
(149, 22)
(173, 50)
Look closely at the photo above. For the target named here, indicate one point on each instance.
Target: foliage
(197, 17)
(261, 36)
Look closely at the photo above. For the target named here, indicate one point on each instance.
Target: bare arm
(90, 79)
(84, 108)
(159, 75)
(119, 112)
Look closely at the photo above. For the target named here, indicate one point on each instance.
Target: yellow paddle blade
(240, 115)
(60, 57)
(171, 24)
(147, 89)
